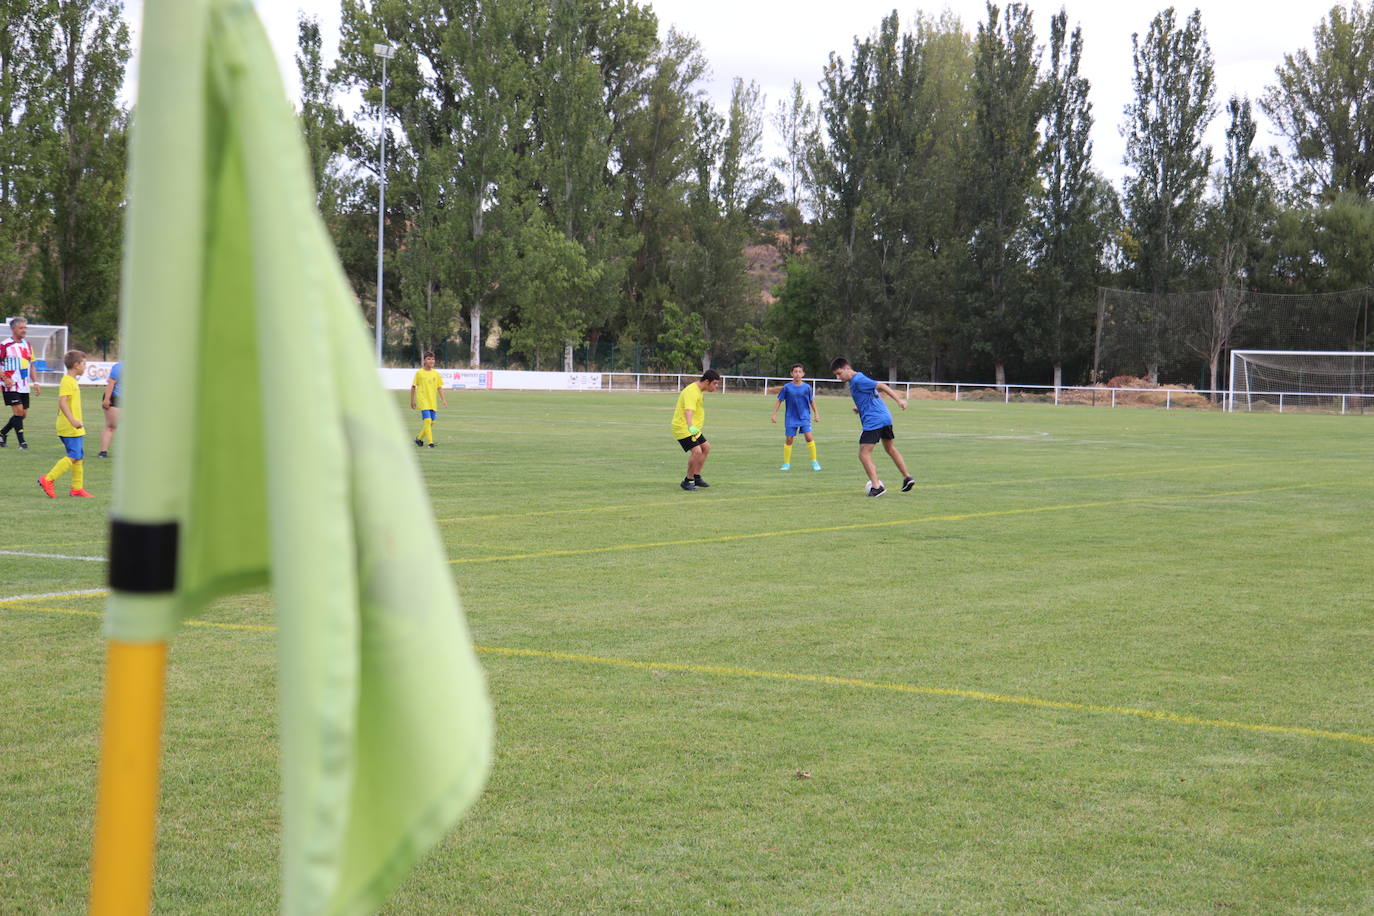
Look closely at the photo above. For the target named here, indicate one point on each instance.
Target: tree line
(557, 178)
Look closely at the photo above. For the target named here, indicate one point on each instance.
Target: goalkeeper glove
(694, 430)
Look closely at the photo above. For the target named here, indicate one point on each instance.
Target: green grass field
(1098, 661)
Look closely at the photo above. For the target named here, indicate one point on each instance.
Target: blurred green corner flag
(260, 451)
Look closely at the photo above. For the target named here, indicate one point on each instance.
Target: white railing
(1169, 398)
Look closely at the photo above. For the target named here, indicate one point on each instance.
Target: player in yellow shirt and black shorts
(688, 419)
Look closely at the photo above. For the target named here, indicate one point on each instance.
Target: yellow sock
(787, 454)
(78, 474)
(811, 447)
(427, 431)
(58, 469)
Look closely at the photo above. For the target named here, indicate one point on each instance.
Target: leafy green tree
(553, 278)
(732, 188)
(889, 234)
(795, 122)
(660, 160)
(1235, 222)
(461, 102)
(326, 133)
(83, 62)
(792, 319)
(1001, 176)
(1326, 247)
(1174, 85)
(1322, 103)
(682, 339)
(1073, 217)
(575, 126)
(27, 137)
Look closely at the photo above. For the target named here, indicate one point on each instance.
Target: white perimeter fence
(1168, 398)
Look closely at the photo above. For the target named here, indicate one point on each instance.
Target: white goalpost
(1326, 380)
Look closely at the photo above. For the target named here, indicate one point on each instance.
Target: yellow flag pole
(126, 805)
(162, 276)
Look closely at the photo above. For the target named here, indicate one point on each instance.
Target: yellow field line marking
(889, 523)
(830, 680)
(26, 603)
(715, 500)
(1036, 702)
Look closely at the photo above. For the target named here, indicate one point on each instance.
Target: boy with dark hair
(70, 429)
(801, 410)
(426, 392)
(688, 418)
(876, 421)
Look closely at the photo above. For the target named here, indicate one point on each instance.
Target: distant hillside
(764, 262)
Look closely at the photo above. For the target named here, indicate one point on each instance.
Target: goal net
(1324, 380)
(1185, 335)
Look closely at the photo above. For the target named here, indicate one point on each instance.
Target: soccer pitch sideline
(1097, 661)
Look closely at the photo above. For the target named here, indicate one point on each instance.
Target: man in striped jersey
(17, 378)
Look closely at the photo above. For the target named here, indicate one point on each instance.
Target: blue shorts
(793, 429)
(429, 414)
(75, 446)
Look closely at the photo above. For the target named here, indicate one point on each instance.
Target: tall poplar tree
(885, 178)
(1244, 202)
(794, 119)
(1323, 102)
(1000, 180)
(660, 160)
(1072, 218)
(27, 136)
(82, 59)
(1169, 163)
(460, 98)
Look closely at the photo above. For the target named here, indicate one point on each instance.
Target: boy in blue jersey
(876, 421)
(801, 410)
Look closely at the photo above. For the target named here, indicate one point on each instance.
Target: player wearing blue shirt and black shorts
(801, 410)
(114, 389)
(876, 421)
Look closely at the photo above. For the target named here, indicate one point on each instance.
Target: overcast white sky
(773, 42)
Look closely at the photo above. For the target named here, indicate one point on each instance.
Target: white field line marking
(49, 556)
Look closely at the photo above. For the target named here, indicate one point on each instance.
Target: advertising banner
(489, 379)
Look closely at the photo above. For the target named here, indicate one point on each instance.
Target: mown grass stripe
(920, 487)
(886, 523)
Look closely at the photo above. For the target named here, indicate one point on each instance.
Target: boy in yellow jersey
(69, 429)
(426, 393)
(688, 418)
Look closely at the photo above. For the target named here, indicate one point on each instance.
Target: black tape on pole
(143, 557)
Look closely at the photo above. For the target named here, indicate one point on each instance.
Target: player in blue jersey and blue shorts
(801, 411)
(876, 421)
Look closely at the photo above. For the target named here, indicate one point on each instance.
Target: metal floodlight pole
(385, 52)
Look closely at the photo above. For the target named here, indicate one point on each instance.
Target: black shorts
(114, 400)
(691, 442)
(871, 436)
(17, 397)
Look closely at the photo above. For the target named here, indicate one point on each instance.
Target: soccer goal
(1339, 381)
